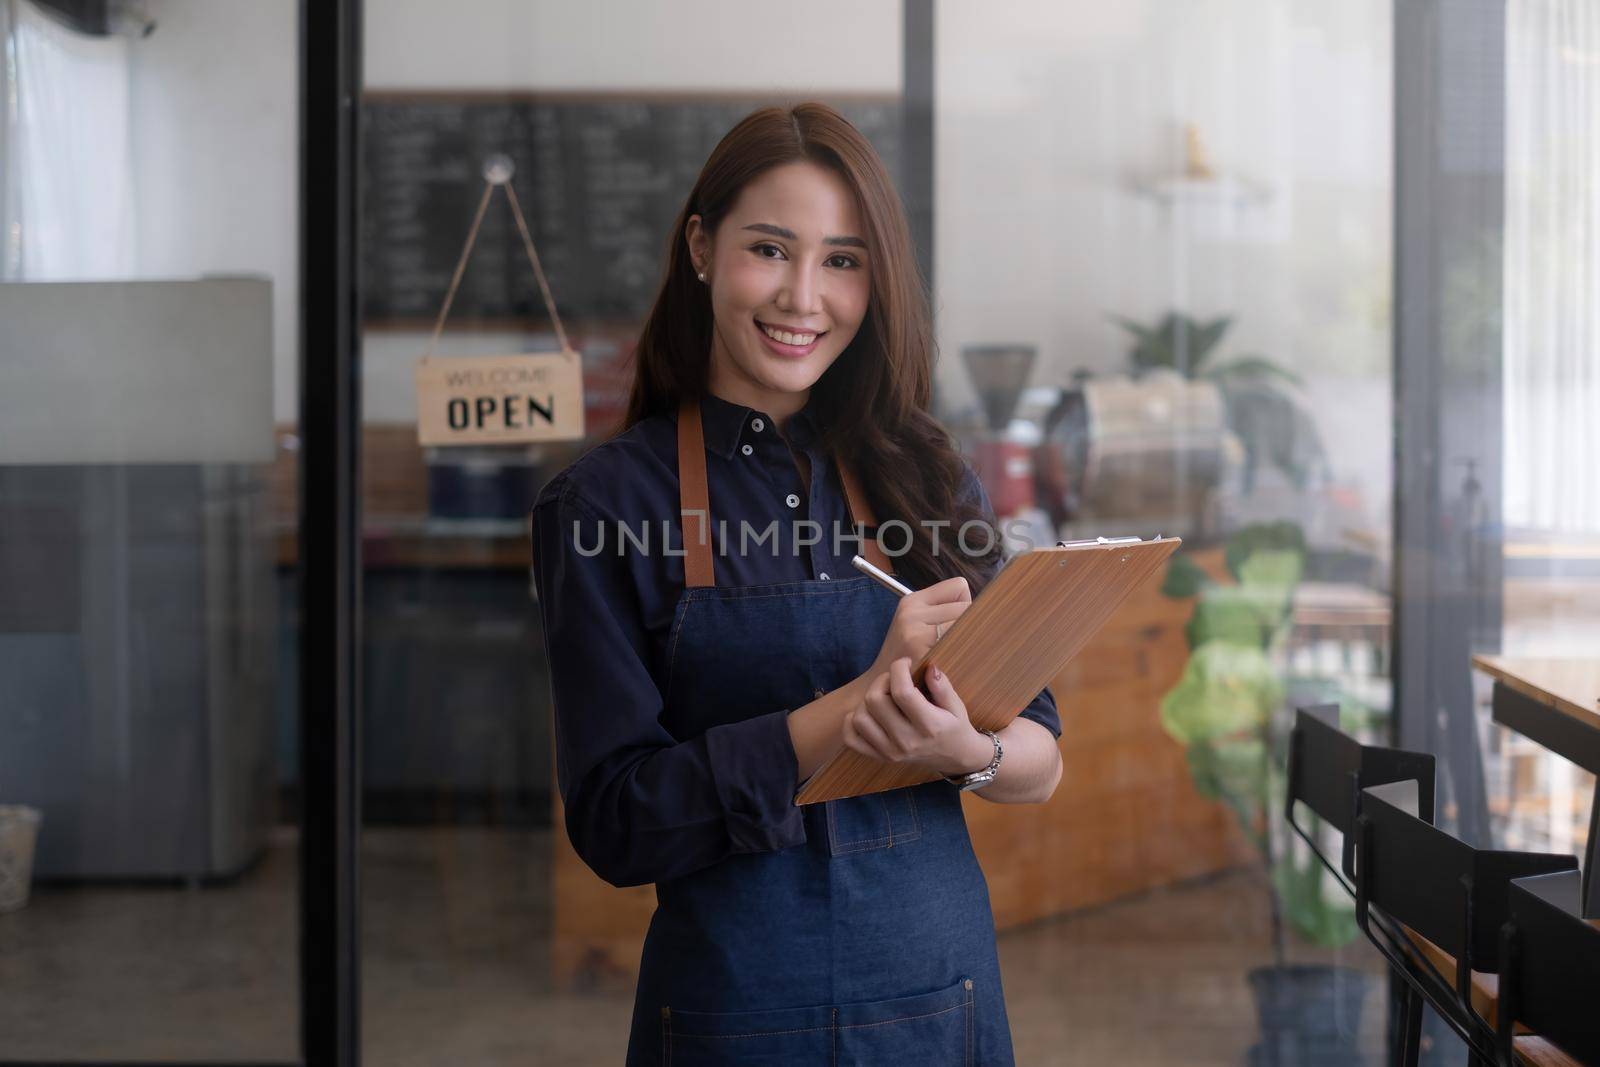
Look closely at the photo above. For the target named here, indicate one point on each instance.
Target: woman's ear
(699, 242)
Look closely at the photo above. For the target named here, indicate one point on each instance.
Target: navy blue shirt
(685, 802)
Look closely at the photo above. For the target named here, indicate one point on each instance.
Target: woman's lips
(788, 351)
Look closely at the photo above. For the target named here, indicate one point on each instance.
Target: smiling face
(790, 259)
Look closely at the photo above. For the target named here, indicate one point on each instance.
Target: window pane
(148, 287)
(1183, 213)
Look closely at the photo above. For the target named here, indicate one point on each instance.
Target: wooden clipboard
(1019, 634)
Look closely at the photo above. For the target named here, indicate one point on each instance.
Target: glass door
(170, 198)
(149, 413)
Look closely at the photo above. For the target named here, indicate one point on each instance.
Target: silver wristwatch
(980, 777)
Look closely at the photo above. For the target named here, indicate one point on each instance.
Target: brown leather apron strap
(861, 514)
(695, 508)
(694, 499)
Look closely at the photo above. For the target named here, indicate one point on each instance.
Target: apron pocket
(775, 1038)
(933, 1029)
(876, 820)
(927, 1030)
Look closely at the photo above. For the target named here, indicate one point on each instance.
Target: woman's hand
(897, 724)
(919, 620)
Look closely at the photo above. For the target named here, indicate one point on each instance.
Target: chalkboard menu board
(601, 180)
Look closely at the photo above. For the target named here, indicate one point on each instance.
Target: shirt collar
(723, 421)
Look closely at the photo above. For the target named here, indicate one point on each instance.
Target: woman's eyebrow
(779, 231)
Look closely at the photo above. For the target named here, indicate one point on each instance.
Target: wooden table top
(1340, 604)
(1571, 686)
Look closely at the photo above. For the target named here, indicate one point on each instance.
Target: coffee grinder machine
(1004, 452)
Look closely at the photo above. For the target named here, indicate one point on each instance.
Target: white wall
(821, 45)
(215, 132)
(1050, 116)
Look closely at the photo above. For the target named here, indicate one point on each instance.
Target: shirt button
(792, 500)
(823, 576)
(747, 450)
(757, 425)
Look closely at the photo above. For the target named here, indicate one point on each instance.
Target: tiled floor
(455, 970)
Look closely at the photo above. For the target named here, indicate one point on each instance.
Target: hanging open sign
(474, 400)
(499, 399)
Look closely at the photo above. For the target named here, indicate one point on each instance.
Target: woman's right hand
(919, 619)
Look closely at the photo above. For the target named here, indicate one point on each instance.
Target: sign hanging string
(498, 169)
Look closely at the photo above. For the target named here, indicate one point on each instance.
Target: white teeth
(786, 337)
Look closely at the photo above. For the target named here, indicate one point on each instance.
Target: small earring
(702, 275)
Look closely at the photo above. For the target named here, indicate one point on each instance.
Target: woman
(781, 392)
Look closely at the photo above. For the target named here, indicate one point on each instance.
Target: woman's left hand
(896, 723)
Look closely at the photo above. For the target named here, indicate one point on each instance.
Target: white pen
(883, 579)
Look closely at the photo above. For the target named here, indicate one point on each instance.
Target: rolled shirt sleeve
(642, 805)
(1042, 708)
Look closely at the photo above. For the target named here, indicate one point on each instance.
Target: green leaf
(1140, 332)
(1226, 689)
(1252, 366)
(1227, 613)
(1285, 536)
(1270, 576)
(1312, 905)
(1202, 339)
(1185, 578)
(1233, 770)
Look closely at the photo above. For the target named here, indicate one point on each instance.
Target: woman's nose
(800, 291)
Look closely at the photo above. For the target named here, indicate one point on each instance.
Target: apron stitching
(969, 1024)
(833, 1038)
(672, 653)
(903, 1018)
(755, 1033)
(882, 841)
(834, 1026)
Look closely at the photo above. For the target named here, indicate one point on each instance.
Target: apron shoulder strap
(694, 499)
(861, 514)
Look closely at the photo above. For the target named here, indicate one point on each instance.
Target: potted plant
(1271, 424)
(1230, 711)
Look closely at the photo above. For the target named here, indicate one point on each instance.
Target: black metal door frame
(1449, 160)
(330, 534)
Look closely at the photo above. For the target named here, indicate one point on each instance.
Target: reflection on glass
(1173, 225)
(146, 618)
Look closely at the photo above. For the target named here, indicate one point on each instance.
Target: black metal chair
(1421, 878)
(1328, 769)
(1549, 968)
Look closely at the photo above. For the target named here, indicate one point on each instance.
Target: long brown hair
(872, 404)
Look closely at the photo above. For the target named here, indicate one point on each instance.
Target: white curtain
(66, 208)
(1552, 266)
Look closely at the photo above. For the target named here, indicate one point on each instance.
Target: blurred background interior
(1308, 278)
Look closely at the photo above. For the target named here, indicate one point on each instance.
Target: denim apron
(870, 943)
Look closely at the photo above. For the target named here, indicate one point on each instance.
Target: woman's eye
(841, 260)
